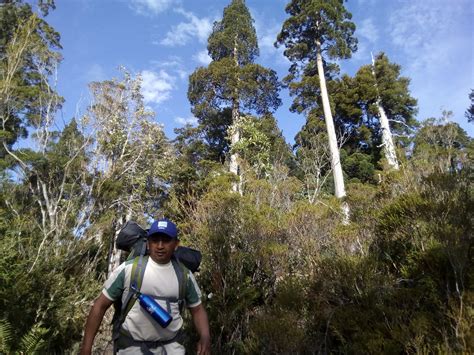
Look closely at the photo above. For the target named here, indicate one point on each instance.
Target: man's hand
(94, 319)
(202, 326)
(204, 346)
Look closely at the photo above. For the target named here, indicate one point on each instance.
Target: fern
(33, 341)
(6, 336)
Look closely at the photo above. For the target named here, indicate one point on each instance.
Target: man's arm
(202, 326)
(96, 314)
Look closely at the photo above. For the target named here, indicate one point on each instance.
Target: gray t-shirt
(159, 281)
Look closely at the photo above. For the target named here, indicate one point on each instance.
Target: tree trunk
(115, 253)
(234, 165)
(335, 160)
(387, 141)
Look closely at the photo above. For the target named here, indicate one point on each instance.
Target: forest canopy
(290, 263)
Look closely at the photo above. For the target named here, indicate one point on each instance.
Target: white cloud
(173, 64)
(368, 30)
(367, 34)
(363, 52)
(366, 2)
(266, 38)
(95, 73)
(202, 57)
(183, 74)
(182, 33)
(184, 121)
(422, 28)
(433, 42)
(156, 86)
(151, 7)
(267, 32)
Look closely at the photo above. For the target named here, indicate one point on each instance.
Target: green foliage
(254, 145)
(470, 111)
(432, 253)
(358, 167)
(288, 312)
(441, 146)
(234, 36)
(280, 273)
(232, 85)
(314, 26)
(6, 336)
(328, 22)
(51, 296)
(398, 279)
(29, 53)
(382, 81)
(32, 342)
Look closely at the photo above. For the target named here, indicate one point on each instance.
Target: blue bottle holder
(153, 309)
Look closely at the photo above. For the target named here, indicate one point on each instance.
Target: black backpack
(132, 238)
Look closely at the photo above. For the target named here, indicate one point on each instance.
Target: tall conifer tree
(385, 100)
(233, 83)
(314, 30)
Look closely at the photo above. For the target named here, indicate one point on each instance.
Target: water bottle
(153, 308)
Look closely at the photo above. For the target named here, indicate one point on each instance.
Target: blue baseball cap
(163, 226)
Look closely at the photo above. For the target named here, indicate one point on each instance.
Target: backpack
(133, 238)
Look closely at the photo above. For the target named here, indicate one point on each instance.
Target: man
(139, 332)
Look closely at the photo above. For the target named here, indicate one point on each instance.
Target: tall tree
(359, 151)
(130, 157)
(28, 56)
(387, 141)
(315, 29)
(233, 81)
(387, 105)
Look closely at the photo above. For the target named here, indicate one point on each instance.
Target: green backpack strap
(182, 275)
(138, 271)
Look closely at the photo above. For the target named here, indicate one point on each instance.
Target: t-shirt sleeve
(193, 293)
(114, 286)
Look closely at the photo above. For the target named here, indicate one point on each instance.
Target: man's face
(161, 247)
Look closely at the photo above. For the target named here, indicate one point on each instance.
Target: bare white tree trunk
(340, 191)
(115, 255)
(387, 141)
(234, 166)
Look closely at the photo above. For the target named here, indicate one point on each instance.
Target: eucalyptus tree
(387, 105)
(313, 158)
(29, 55)
(47, 171)
(232, 82)
(131, 156)
(316, 30)
(441, 146)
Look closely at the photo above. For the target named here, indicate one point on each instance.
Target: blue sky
(165, 40)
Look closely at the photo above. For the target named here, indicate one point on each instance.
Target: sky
(166, 40)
